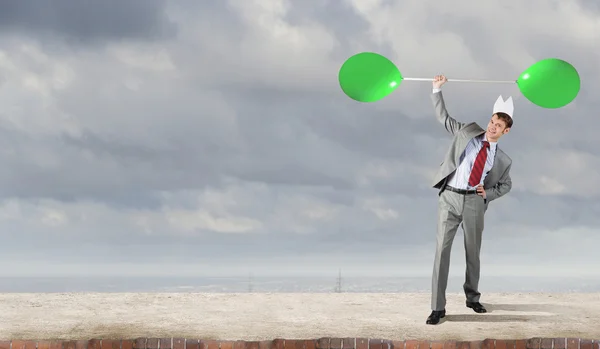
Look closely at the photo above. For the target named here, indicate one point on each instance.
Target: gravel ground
(246, 316)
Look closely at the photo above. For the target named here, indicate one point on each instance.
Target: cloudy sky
(212, 138)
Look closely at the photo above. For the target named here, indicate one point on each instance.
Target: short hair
(506, 118)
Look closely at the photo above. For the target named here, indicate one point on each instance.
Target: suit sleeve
(502, 188)
(451, 124)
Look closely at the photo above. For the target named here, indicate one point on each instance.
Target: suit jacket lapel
(471, 131)
(497, 169)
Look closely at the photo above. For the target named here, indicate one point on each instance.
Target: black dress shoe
(477, 307)
(435, 317)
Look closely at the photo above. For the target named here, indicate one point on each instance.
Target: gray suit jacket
(498, 182)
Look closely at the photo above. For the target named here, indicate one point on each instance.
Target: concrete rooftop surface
(264, 316)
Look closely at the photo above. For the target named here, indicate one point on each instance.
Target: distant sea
(286, 284)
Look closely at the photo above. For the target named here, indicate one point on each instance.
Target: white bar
(463, 80)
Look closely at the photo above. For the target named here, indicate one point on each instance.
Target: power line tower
(338, 287)
(250, 284)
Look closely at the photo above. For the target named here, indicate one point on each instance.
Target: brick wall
(321, 343)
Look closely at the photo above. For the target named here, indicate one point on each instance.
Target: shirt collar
(492, 144)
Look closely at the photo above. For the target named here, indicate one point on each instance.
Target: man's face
(496, 128)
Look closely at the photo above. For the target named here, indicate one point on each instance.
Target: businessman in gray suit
(475, 172)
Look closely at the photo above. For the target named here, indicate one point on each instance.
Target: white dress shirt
(459, 179)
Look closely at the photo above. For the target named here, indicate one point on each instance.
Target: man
(474, 172)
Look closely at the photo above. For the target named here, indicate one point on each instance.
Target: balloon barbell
(464, 80)
(549, 83)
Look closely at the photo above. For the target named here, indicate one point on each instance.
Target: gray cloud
(231, 143)
(82, 22)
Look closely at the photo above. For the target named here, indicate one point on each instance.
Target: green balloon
(550, 83)
(368, 77)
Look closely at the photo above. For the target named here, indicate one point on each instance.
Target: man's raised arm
(451, 125)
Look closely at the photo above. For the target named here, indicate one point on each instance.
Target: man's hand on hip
(481, 191)
(438, 81)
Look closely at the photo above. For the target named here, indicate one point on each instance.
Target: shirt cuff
(436, 90)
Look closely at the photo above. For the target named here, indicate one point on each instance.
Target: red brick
(193, 343)
(532, 343)
(424, 345)
(151, 343)
(476, 345)
(511, 344)
(251, 345)
(4, 344)
(572, 343)
(375, 344)
(40, 345)
(205, 344)
(546, 343)
(179, 343)
(310, 344)
(450, 345)
(500, 344)
(139, 343)
(80, 344)
(585, 344)
(108, 344)
(489, 343)
(288, 344)
(261, 345)
(362, 343)
(293, 344)
(348, 343)
(165, 343)
(437, 345)
(560, 343)
(20, 344)
(521, 344)
(93, 343)
(411, 344)
(23, 344)
(224, 345)
(127, 344)
(397, 345)
(323, 343)
(461, 345)
(278, 343)
(335, 343)
(596, 344)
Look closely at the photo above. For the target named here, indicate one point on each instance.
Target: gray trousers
(454, 209)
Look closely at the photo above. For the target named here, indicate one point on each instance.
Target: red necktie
(478, 166)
